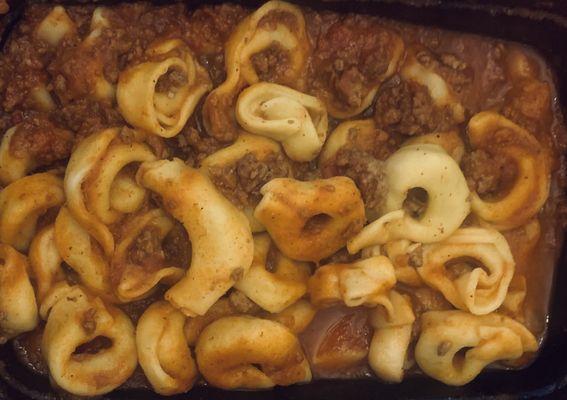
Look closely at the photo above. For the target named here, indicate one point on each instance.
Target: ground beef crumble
(486, 174)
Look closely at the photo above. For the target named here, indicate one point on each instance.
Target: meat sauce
(347, 58)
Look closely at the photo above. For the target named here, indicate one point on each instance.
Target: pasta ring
(75, 318)
(365, 282)
(309, 221)
(260, 147)
(45, 261)
(501, 137)
(133, 280)
(429, 167)
(251, 37)
(476, 291)
(163, 114)
(391, 338)
(229, 348)
(22, 202)
(297, 120)
(221, 239)
(487, 338)
(12, 167)
(163, 352)
(18, 308)
(277, 289)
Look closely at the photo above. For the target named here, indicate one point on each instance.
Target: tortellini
(94, 184)
(529, 190)
(311, 220)
(484, 339)
(45, 261)
(255, 34)
(137, 275)
(55, 26)
(23, 202)
(297, 120)
(296, 317)
(425, 166)
(477, 289)
(18, 308)
(162, 111)
(365, 282)
(163, 352)
(221, 239)
(75, 318)
(11, 166)
(244, 352)
(392, 325)
(276, 288)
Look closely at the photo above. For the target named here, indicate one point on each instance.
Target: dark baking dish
(540, 24)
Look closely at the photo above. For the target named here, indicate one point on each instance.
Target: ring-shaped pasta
(441, 93)
(275, 289)
(221, 239)
(18, 308)
(250, 37)
(162, 114)
(21, 204)
(311, 220)
(295, 119)
(478, 290)
(365, 282)
(260, 147)
(134, 280)
(501, 137)
(244, 352)
(94, 167)
(82, 253)
(486, 339)
(391, 339)
(163, 352)
(45, 261)
(425, 166)
(12, 167)
(75, 318)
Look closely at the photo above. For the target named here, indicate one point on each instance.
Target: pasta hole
(416, 201)
(459, 266)
(460, 357)
(94, 346)
(172, 80)
(317, 223)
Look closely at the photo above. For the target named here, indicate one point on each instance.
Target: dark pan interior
(540, 24)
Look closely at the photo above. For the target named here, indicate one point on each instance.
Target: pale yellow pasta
(12, 167)
(425, 166)
(250, 353)
(45, 261)
(258, 146)
(295, 119)
(310, 220)
(18, 308)
(162, 348)
(162, 113)
(221, 239)
(195, 325)
(476, 289)
(75, 318)
(364, 282)
(391, 339)
(450, 141)
(137, 279)
(274, 289)
(82, 253)
(502, 138)
(250, 37)
(21, 204)
(400, 253)
(485, 339)
(515, 297)
(441, 93)
(55, 26)
(295, 317)
(41, 99)
(93, 168)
